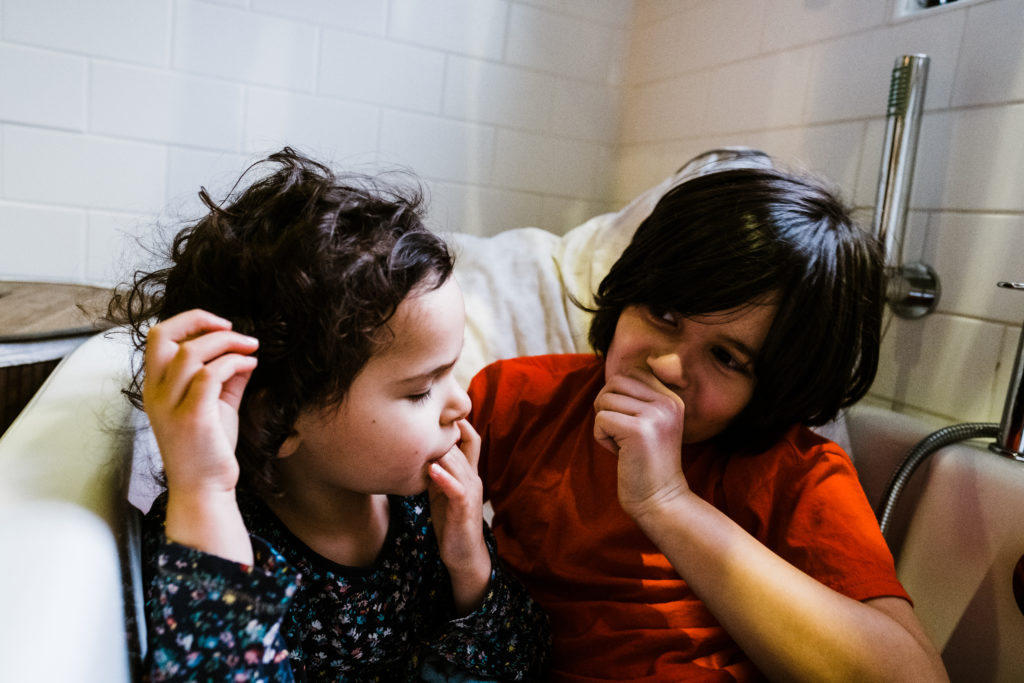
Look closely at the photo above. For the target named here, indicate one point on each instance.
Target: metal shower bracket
(914, 287)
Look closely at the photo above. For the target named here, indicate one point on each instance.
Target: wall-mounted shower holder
(913, 289)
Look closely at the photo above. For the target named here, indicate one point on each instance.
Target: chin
(414, 488)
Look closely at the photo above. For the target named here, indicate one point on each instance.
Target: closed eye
(663, 317)
(731, 361)
(419, 397)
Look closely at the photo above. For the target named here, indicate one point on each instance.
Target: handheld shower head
(899, 88)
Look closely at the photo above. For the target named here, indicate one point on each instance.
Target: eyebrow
(430, 374)
(743, 347)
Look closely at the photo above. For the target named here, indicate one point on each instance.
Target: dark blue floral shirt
(296, 616)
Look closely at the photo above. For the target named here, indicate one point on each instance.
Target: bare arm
(793, 627)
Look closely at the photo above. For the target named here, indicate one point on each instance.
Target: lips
(438, 458)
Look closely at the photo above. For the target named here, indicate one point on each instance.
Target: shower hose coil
(919, 453)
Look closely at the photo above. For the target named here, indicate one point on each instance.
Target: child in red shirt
(664, 500)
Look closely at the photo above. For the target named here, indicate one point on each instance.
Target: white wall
(113, 110)
(808, 82)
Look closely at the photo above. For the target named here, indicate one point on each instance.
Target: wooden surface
(36, 312)
(43, 310)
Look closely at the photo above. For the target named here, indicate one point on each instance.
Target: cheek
(623, 355)
(724, 402)
(739, 400)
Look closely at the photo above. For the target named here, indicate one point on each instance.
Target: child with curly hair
(322, 517)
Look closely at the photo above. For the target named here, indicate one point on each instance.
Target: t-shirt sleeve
(816, 516)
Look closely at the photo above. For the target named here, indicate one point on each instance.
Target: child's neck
(345, 527)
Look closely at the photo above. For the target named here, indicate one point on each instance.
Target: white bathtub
(957, 534)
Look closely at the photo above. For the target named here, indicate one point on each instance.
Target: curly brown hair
(311, 264)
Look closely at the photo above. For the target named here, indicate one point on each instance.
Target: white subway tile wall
(965, 247)
(114, 112)
(585, 111)
(381, 71)
(777, 81)
(487, 92)
(162, 107)
(989, 67)
(120, 30)
(50, 167)
(50, 249)
(42, 88)
(474, 28)
(858, 66)
(437, 147)
(941, 365)
(564, 45)
(113, 244)
(523, 112)
(309, 122)
(790, 23)
(246, 47)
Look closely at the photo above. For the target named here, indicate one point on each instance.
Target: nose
(457, 405)
(669, 369)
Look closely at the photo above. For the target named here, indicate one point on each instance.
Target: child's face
(707, 360)
(400, 413)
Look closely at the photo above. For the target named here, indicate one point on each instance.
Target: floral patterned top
(297, 616)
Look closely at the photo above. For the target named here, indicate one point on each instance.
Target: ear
(254, 416)
(290, 445)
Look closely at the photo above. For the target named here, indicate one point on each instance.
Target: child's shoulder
(801, 439)
(538, 376)
(554, 365)
(540, 381)
(799, 452)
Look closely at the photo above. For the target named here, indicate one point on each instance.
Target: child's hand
(456, 507)
(196, 371)
(641, 420)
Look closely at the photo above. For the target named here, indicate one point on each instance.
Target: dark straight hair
(737, 237)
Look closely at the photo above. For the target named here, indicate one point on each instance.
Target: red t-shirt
(618, 609)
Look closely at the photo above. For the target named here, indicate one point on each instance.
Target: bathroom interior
(546, 113)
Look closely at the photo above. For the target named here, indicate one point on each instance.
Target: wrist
(209, 521)
(470, 580)
(650, 510)
(199, 505)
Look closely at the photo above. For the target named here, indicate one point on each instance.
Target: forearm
(210, 522)
(792, 626)
(470, 581)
